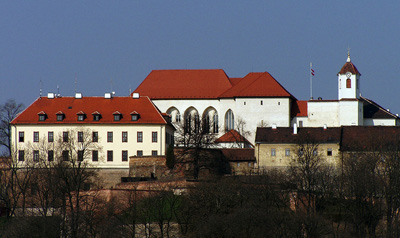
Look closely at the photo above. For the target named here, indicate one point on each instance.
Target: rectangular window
(139, 153)
(60, 117)
(110, 136)
(139, 136)
(21, 136)
(81, 117)
(124, 136)
(329, 152)
(96, 117)
(36, 136)
(95, 155)
(300, 123)
(154, 153)
(238, 164)
(273, 152)
(315, 152)
(261, 102)
(250, 165)
(21, 155)
(117, 117)
(65, 136)
(301, 152)
(80, 136)
(154, 136)
(36, 156)
(95, 136)
(42, 117)
(65, 155)
(109, 155)
(50, 136)
(287, 152)
(134, 117)
(50, 155)
(124, 155)
(80, 155)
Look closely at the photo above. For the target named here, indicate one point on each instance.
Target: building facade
(104, 131)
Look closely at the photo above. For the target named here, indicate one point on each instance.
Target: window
(109, 155)
(300, 123)
(244, 103)
(139, 153)
(250, 165)
(329, 152)
(65, 155)
(348, 83)
(315, 152)
(21, 155)
(60, 117)
(135, 117)
(95, 155)
(117, 117)
(36, 155)
(238, 164)
(206, 124)
(215, 124)
(96, 117)
(261, 102)
(229, 120)
(139, 136)
(95, 136)
(50, 136)
(21, 136)
(81, 117)
(65, 136)
(124, 155)
(110, 136)
(36, 136)
(196, 123)
(154, 136)
(178, 118)
(80, 136)
(154, 153)
(50, 155)
(273, 152)
(80, 155)
(301, 152)
(124, 136)
(42, 117)
(287, 152)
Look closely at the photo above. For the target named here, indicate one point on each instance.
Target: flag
(312, 72)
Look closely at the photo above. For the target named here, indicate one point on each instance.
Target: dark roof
(283, 135)
(349, 67)
(375, 111)
(235, 154)
(368, 138)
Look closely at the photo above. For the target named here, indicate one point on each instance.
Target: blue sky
(98, 41)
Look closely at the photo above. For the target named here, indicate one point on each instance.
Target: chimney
(295, 128)
(50, 95)
(107, 95)
(135, 95)
(325, 126)
(274, 126)
(78, 95)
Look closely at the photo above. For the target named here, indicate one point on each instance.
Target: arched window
(192, 121)
(348, 83)
(210, 120)
(215, 123)
(175, 115)
(229, 120)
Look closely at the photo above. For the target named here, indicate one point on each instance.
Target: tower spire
(348, 54)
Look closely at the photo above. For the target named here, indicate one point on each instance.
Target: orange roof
(232, 136)
(71, 106)
(163, 84)
(257, 85)
(299, 109)
(196, 84)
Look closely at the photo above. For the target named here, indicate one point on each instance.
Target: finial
(348, 54)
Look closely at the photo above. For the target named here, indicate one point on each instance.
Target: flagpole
(311, 80)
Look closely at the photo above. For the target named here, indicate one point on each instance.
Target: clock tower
(349, 81)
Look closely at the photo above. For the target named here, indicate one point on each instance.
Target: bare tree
(8, 111)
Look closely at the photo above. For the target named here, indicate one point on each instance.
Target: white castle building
(258, 100)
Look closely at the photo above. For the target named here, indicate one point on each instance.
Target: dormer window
(117, 116)
(134, 116)
(60, 116)
(81, 116)
(42, 116)
(96, 116)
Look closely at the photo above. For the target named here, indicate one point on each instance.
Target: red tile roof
(70, 107)
(232, 136)
(212, 84)
(299, 109)
(164, 84)
(257, 85)
(349, 67)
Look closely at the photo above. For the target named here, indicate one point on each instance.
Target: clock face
(348, 74)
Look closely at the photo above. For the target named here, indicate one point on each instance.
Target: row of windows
(95, 136)
(82, 116)
(80, 155)
(287, 152)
